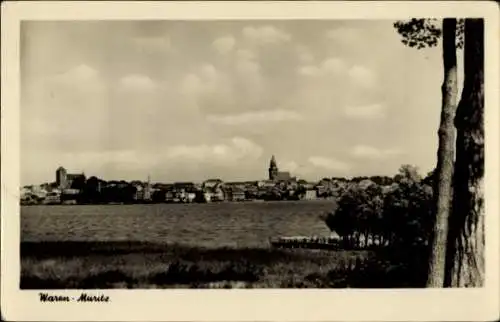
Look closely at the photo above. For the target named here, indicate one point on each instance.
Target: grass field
(102, 265)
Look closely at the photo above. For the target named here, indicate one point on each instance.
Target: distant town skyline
(189, 101)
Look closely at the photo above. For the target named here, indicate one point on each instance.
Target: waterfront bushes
(96, 191)
(396, 219)
(397, 215)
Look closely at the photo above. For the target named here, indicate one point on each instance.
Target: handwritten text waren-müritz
(84, 297)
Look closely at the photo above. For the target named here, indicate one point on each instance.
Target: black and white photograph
(170, 154)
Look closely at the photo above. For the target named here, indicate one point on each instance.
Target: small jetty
(314, 242)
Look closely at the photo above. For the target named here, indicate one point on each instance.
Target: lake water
(210, 225)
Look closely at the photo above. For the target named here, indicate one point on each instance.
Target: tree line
(368, 213)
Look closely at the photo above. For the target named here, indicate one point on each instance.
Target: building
(266, 184)
(31, 195)
(61, 178)
(169, 196)
(39, 192)
(139, 193)
(183, 187)
(275, 174)
(146, 190)
(69, 196)
(310, 195)
(212, 183)
(307, 185)
(190, 197)
(236, 194)
(53, 198)
(237, 185)
(65, 180)
(214, 194)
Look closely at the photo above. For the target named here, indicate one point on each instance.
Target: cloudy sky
(182, 100)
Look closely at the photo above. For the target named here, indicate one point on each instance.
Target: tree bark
(445, 156)
(465, 267)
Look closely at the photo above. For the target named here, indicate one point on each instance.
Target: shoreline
(30, 248)
(259, 201)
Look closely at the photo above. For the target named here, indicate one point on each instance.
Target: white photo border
(244, 305)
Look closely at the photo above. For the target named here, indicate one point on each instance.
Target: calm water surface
(211, 225)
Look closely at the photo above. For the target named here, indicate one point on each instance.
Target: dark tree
(422, 33)
(466, 238)
(463, 229)
(443, 183)
(91, 193)
(79, 183)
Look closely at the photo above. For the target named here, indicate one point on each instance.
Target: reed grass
(106, 265)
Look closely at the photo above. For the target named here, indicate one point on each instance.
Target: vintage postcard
(250, 161)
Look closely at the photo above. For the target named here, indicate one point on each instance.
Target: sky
(193, 100)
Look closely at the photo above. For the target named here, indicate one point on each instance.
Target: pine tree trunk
(465, 267)
(445, 155)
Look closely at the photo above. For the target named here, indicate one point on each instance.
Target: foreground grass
(94, 265)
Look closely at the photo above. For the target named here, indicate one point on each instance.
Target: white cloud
(315, 167)
(304, 54)
(343, 34)
(66, 110)
(328, 163)
(190, 84)
(290, 166)
(364, 151)
(137, 82)
(81, 78)
(79, 88)
(363, 76)
(205, 80)
(309, 71)
(333, 65)
(266, 34)
(248, 80)
(236, 149)
(107, 164)
(260, 117)
(245, 148)
(80, 73)
(207, 88)
(224, 45)
(246, 62)
(365, 111)
(336, 68)
(122, 158)
(329, 66)
(247, 66)
(245, 54)
(228, 152)
(208, 72)
(153, 44)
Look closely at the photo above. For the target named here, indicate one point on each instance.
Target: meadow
(140, 265)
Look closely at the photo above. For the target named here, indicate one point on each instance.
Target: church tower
(273, 169)
(61, 178)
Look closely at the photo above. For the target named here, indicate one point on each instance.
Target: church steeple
(273, 162)
(273, 168)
